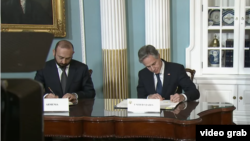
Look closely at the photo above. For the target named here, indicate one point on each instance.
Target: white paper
(122, 104)
(167, 104)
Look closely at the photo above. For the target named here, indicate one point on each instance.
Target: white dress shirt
(162, 78)
(60, 71)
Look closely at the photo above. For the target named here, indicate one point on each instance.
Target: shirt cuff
(45, 95)
(75, 95)
(185, 97)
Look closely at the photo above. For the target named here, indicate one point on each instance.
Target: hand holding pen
(51, 95)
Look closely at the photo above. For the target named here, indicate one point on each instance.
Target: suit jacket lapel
(151, 83)
(166, 79)
(72, 70)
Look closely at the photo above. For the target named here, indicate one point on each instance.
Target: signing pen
(51, 90)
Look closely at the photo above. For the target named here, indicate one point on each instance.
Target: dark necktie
(63, 79)
(159, 85)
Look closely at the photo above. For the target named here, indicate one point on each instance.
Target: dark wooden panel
(63, 129)
(116, 127)
(98, 129)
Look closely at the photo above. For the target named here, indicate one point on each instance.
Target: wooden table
(89, 119)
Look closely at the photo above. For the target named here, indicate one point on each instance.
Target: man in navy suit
(170, 76)
(78, 80)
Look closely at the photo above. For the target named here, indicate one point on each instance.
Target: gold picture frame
(58, 27)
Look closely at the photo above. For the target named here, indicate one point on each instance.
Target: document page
(167, 104)
(122, 104)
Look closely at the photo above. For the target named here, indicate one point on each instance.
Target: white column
(157, 18)
(114, 46)
(82, 31)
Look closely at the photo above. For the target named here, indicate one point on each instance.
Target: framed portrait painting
(33, 16)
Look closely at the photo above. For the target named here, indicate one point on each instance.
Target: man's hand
(51, 95)
(71, 97)
(155, 96)
(177, 98)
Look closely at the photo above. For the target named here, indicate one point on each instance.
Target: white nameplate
(143, 105)
(55, 104)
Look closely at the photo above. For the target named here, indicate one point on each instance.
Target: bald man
(77, 80)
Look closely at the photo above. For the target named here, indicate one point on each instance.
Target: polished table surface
(93, 119)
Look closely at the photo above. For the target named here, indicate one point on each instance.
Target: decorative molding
(81, 11)
(59, 32)
(194, 50)
(192, 37)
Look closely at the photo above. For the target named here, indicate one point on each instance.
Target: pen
(55, 96)
(51, 90)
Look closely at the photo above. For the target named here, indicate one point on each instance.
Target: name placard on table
(164, 104)
(143, 105)
(56, 104)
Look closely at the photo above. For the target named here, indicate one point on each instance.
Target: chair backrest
(190, 73)
(90, 71)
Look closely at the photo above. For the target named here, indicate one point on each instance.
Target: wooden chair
(190, 73)
(90, 71)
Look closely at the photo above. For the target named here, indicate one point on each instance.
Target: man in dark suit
(64, 77)
(161, 79)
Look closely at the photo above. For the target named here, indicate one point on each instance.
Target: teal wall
(179, 30)
(135, 37)
(92, 22)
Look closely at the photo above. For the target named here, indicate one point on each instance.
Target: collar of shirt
(161, 74)
(60, 70)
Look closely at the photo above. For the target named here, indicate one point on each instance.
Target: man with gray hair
(160, 79)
